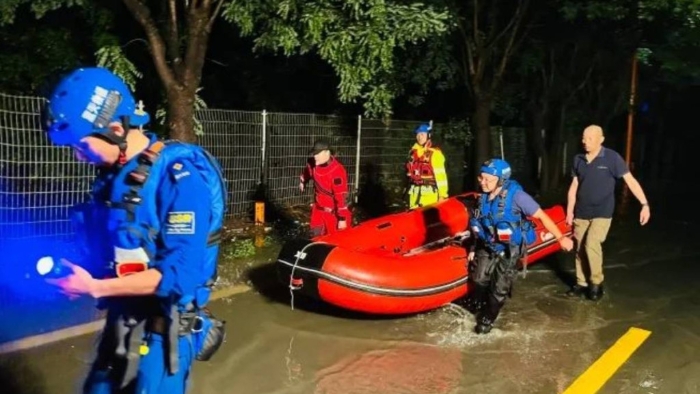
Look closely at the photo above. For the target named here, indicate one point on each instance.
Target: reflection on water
(407, 368)
(277, 350)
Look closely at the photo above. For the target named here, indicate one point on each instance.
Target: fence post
(539, 159)
(358, 146)
(500, 139)
(259, 199)
(263, 149)
(563, 161)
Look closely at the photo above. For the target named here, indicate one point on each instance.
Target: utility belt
(189, 323)
(424, 182)
(494, 249)
(427, 189)
(505, 252)
(126, 339)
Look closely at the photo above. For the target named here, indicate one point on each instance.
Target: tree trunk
(481, 124)
(553, 175)
(659, 141)
(657, 150)
(539, 146)
(181, 115)
(179, 64)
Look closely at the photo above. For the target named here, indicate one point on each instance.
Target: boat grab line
(380, 290)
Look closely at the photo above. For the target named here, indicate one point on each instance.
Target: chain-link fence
(235, 138)
(40, 182)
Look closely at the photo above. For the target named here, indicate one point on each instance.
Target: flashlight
(48, 268)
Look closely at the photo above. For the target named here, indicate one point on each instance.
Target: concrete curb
(87, 328)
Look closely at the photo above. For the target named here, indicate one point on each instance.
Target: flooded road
(541, 343)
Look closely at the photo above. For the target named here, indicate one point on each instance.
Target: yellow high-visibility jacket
(427, 175)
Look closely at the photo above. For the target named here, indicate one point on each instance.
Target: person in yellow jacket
(426, 171)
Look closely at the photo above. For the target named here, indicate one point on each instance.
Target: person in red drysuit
(329, 212)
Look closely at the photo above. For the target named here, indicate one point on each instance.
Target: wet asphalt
(542, 342)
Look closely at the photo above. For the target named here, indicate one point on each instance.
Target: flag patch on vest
(180, 223)
(179, 171)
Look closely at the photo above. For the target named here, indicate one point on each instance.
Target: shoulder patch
(181, 222)
(179, 170)
(337, 181)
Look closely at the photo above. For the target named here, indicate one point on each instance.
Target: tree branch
(467, 49)
(585, 80)
(475, 24)
(193, 5)
(517, 19)
(143, 15)
(466, 73)
(500, 34)
(214, 15)
(197, 37)
(173, 34)
(553, 66)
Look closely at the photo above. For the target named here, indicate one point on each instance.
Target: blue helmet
(423, 128)
(86, 101)
(497, 167)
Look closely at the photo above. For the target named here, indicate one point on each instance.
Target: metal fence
(40, 182)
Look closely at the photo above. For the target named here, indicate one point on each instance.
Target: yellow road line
(87, 328)
(600, 371)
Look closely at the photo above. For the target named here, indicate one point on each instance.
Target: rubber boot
(477, 299)
(595, 292)
(577, 291)
(488, 315)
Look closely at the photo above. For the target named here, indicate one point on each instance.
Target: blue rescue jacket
(164, 208)
(499, 224)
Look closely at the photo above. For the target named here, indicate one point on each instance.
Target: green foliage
(507, 105)
(429, 65)
(113, 58)
(456, 132)
(614, 10)
(8, 8)
(30, 59)
(684, 12)
(358, 38)
(102, 24)
(238, 249)
(38, 51)
(673, 41)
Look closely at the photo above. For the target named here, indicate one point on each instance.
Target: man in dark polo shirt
(591, 202)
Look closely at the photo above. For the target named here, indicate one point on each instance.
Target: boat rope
(299, 256)
(454, 239)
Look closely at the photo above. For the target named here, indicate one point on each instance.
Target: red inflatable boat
(397, 264)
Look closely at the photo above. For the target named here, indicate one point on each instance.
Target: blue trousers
(153, 376)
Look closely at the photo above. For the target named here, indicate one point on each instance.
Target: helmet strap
(119, 140)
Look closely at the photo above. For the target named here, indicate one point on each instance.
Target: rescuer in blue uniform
(151, 228)
(502, 232)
